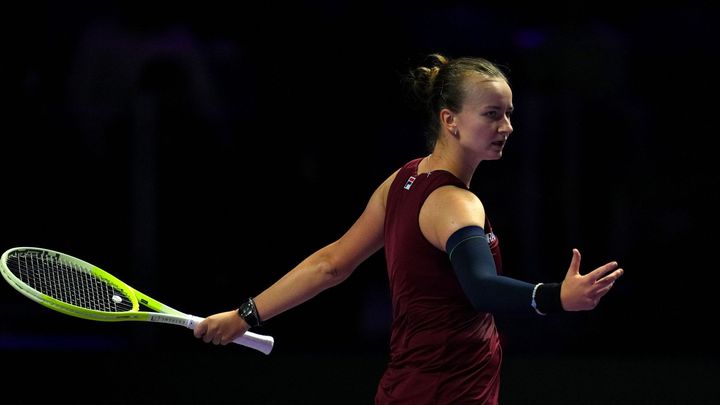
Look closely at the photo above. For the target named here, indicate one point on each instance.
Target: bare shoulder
(448, 209)
(365, 236)
(382, 191)
(455, 203)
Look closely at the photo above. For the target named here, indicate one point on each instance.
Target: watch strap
(248, 312)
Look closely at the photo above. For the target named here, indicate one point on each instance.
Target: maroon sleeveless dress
(442, 351)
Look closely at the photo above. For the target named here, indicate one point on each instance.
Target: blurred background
(198, 152)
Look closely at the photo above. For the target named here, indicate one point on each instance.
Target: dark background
(200, 151)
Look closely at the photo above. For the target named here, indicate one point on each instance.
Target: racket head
(68, 285)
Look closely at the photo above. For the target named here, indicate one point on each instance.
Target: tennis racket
(77, 288)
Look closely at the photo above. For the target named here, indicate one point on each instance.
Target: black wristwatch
(249, 313)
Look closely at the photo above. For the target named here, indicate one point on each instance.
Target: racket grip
(261, 343)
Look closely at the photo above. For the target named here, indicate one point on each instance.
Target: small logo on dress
(409, 182)
(491, 237)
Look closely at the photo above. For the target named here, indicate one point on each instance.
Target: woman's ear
(447, 119)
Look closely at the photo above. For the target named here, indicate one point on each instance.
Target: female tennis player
(443, 261)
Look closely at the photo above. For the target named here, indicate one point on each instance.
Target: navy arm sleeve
(474, 266)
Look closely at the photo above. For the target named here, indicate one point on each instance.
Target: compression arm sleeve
(474, 266)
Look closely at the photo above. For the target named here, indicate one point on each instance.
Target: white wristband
(533, 303)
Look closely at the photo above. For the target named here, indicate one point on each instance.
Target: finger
(610, 278)
(200, 329)
(600, 292)
(602, 271)
(574, 268)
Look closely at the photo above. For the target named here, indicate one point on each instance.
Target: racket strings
(68, 282)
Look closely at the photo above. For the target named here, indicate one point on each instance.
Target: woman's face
(483, 123)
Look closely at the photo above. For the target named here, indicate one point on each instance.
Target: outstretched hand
(583, 292)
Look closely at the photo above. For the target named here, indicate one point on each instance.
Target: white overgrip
(262, 343)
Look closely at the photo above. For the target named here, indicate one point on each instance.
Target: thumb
(574, 268)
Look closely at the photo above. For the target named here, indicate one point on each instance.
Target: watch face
(247, 312)
(244, 311)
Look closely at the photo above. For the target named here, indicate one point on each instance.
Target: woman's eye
(496, 114)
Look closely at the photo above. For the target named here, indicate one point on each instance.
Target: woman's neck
(440, 159)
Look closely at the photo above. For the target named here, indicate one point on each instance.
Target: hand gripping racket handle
(262, 343)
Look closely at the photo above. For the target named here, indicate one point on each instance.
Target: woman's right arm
(323, 269)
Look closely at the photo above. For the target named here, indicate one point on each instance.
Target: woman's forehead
(481, 89)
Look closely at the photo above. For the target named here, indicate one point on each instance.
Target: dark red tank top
(442, 351)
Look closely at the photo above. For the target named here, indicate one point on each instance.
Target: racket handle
(262, 343)
(256, 341)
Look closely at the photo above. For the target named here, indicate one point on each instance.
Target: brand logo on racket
(36, 253)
